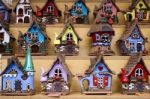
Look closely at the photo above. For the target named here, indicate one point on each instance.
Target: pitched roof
(61, 58)
(7, 31)
(65, 28)
(53, 1)
(105, 1)
(133, 5)
(28, 66)
(2, 2)
(82, 1)
(129, 29)
(95, 61)
(22, 3)
(16, 61)
(38, 25)
(132, 63)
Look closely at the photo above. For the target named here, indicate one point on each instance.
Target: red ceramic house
(134, 76)
(49, 13)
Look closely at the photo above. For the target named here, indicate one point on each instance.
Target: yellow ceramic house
(139, 9)
(68, 41)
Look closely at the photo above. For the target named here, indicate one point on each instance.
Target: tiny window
(1, 35)
(98, 37)
(34, 27)
(58, 72)
(69, 37)
(138, 72)
(50, 8)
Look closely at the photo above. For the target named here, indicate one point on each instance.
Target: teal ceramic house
(18, 79)
(78, 12)
(98, 78)
(36, 38)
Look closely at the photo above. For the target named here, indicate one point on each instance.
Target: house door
(26, 19)
(58, 87)
(129, 17)
(2, 48)
(139, 47)
(79, 20)
(35, 49)
(140, 86)
(70, 48)
(85, 84)
(17, 85)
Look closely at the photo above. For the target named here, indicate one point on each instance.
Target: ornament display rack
(78, 64)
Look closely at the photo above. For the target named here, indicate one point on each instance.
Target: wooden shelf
(82, 96)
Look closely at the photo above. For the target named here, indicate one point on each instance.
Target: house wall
(114, 9)
(136, 41)
(21, 5)
(140, 65)
(6, 13)
(6, 35)
(45, 9)
(41, 37)
(70, 30)
(6, 77)
(60, 66)
(84, 9)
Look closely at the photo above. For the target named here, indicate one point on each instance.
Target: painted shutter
(106, 80)
(95, 80)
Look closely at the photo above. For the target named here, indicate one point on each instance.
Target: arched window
(20, 11)
(20, 21)
(58, 72)
(69, 37)
(138, 72)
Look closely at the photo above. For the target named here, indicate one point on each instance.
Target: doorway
(129, 17)
(139, 47)
(26, 19)
(35, 49)
(58, 87)
(17, 85)
(2, 48)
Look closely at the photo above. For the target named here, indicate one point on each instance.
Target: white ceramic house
(23, 11)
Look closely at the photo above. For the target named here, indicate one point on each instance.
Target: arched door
(20, 11)
(20, 21)
(35, 49)
(129, 17)
(85, 84)
(2, 48)
(17, 85)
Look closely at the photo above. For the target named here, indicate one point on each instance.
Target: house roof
(132, 63)
(22, 3)
(28, 66)
(61, 58)
(94, 62)
(83, 1)
(65, 28)
(38, 25)
(16, 61)
(133, 5)
(129, 29)
(7, 8)
(105, 1)
(53, 1)
(7, 31)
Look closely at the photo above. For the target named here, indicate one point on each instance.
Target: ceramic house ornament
(108, 10)
(97, 78)
(134, 76)
(101, 33)
(6, 40)
(36, 38)
(50, 13)
(57, 80)
(67, 42)
(18, 79)
(139, 9)
(5, 12)
(78, 12)
(132, 41)
(23, 11)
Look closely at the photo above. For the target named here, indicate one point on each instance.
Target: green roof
(28, 66)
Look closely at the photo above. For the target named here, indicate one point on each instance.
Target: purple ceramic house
(57, 79)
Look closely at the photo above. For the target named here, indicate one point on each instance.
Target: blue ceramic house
(132, 40)
(36, 38)
(98, 78)
(18, 79)
(4, 12)
(79, 12)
